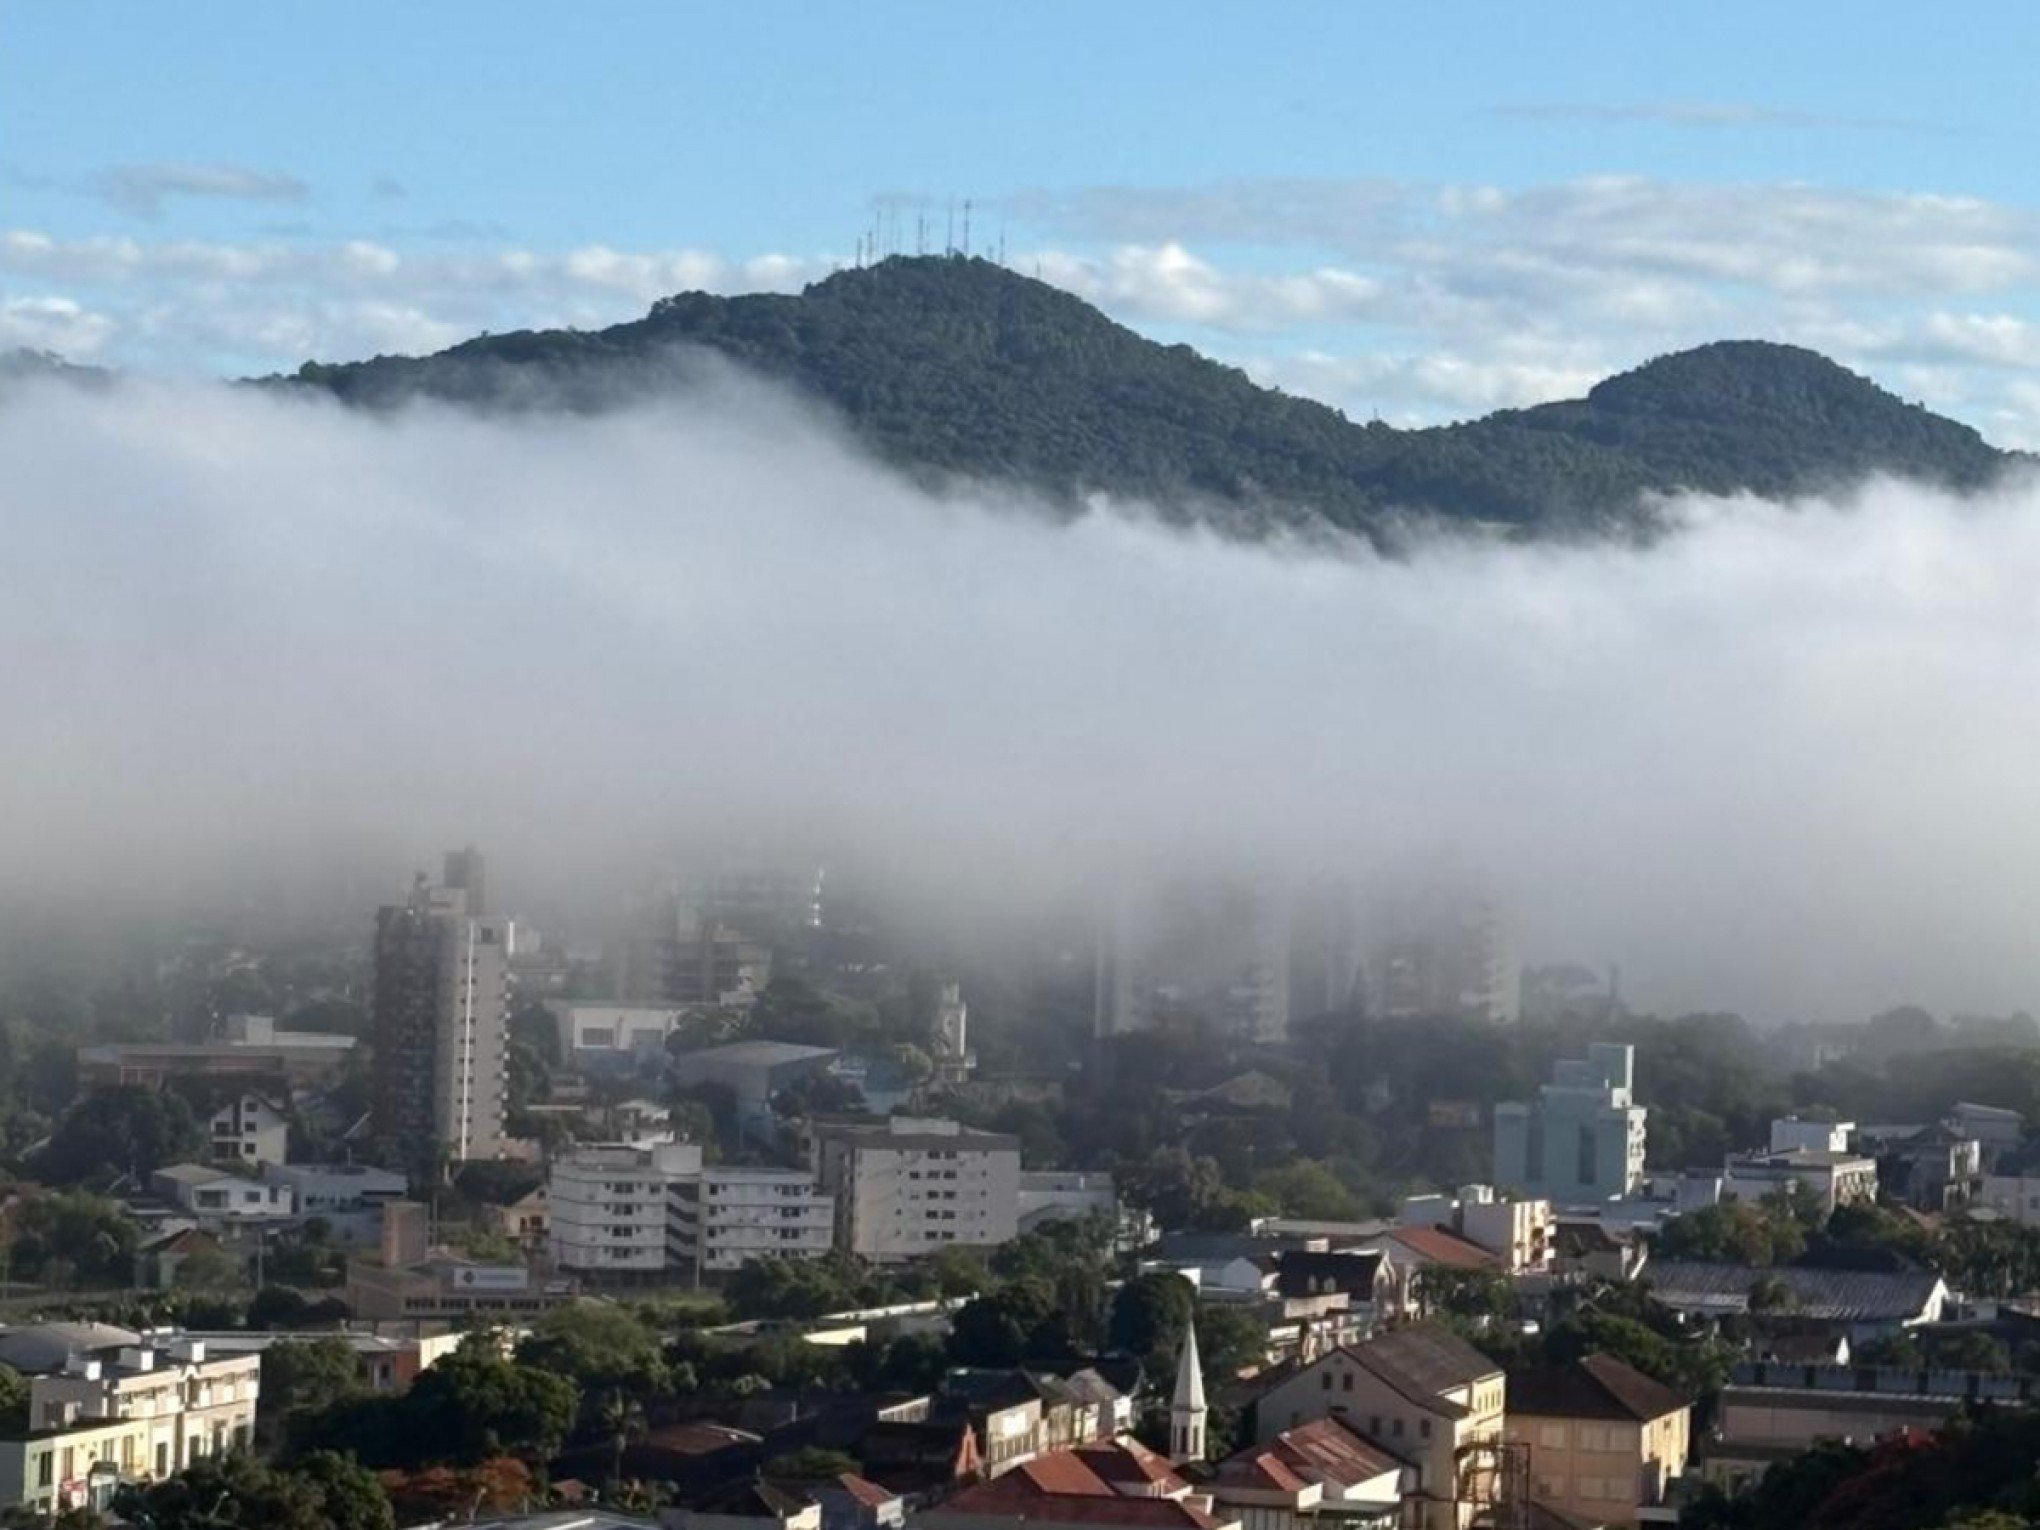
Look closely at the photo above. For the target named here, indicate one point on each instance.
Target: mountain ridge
(955, 368)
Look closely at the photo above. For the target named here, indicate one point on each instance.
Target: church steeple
(1187, 1411)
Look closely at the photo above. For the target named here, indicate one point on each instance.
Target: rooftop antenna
(1002, 238)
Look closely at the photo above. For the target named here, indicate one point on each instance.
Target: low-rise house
(1996, 1131)
(1005, 1410)
(160, 1263)
(1319, 1473)
(1832, 1179)
(1858, 1303)
(1421, 1393)
(217, 1197)
(1604, 1440)
(852, 1502)
(52, 1471)
(1936, 1170)
(251, 1127)
(1516, 1231)
(1588, 1246)
(1121, 1484)
(745, 1505)
(347, 1197)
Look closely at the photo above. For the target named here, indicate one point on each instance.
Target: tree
(471, 1406)
(1306, 1188)
(1001, 1329)
(323, 1491)
(69, 1236)
(303, 1377)
(1149, 1315)
(812, 1463)
(1229, 1339)
(128, 1130)
(623, 1420)
(598, 1346)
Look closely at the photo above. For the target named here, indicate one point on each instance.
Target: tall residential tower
(441, 1025)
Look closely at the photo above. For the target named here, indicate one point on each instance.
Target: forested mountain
(958, 367)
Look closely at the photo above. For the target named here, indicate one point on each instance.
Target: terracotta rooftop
(1434, 1245)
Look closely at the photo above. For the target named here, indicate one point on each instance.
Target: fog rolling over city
(1782, 762)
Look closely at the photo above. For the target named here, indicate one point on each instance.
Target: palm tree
(623, 1419)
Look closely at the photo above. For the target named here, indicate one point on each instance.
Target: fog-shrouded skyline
(1423, 216)
(1779, 762)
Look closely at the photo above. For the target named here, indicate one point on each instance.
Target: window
(1326, 1378)
(1395, 1427)
(1424, 1428)
(1551, 1436)
(1346, 1382)
(45, 1468)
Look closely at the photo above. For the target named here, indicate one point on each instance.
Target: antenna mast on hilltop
(966, 228)
(949, 233)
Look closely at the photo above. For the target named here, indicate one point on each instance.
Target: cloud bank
(1781, 763)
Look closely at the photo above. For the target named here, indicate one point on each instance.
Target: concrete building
(441, 1019)
(909, 1186)
(1421, 1393)
(753, 1071)
(1582, 1140)
(594, 1037)
(347, 1197)
(1768, 1412)
(1217, 949)
(1521, 1233)
(1938, 1169)
(2015, 1197)
(607, 1209)
(1791, 1134)
(250, 1047)
(954, 1060)
(194, 1404)
(1439, 957)
(1605, 1442)
(1997, 1131)
(1832, 1179)
(216, 1197)
(724, 1217)
(251, 1127)
(1064, 1195)
(1318, 1476)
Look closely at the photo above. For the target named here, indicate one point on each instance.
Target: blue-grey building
(1582, 1140)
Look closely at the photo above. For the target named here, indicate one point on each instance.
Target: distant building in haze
(1582, 1140)
(441, 1022)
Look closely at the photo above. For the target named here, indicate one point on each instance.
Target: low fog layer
(1785, 762)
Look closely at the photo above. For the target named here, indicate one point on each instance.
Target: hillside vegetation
(952, 367)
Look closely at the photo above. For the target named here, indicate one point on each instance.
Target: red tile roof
(1330, 1448)
(1128, 1461)
(1434, 1245)
(988, 1500)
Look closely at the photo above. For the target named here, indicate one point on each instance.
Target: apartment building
(722, 1218)
(1420, 1393)
(621, 1214)
(441, 1023)
(1605, 1442)
(909, 1186)
(1829, 1178)
(251, 1127)
(1582, 1140)
(608, 1209)
(188, 1404)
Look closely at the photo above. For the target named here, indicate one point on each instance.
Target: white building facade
(912, 1186)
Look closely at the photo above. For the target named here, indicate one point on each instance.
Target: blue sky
(1418, 211)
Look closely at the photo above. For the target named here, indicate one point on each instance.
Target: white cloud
(52, 324)
(143, 189)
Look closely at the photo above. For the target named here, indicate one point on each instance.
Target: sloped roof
(46, 1346)
(1329, 1450)
(1127, 1461)
(1299, 1272)
(1824, 1296)
(1434, 1245)
(1598, 1386)
(1004, 1497)
(1422, 1361)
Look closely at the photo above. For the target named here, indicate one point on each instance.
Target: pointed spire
(1189, 1373)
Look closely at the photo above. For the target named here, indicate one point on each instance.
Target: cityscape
(974, 767)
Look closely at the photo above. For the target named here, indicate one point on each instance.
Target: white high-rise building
(606, 1204)
(623, 1214)
(910, 1186)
